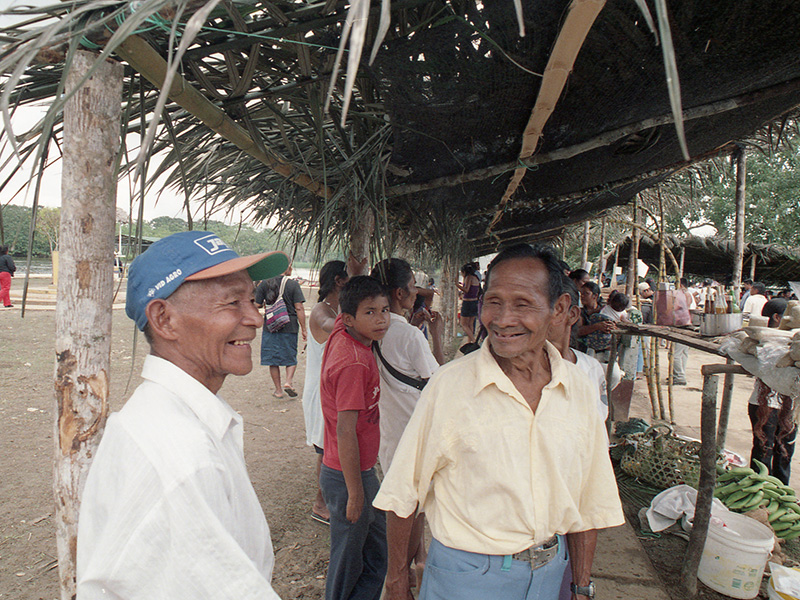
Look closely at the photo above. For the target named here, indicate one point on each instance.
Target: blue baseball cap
(189, 256)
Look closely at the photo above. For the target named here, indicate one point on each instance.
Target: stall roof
(436, 123)
(713, 257)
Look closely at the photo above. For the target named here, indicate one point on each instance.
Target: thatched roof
(713, 257)
(435, 127)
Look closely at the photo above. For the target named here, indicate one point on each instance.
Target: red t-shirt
(350, 381)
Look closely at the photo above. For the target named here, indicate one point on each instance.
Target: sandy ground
(280, 464)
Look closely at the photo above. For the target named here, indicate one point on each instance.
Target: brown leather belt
(539, 556)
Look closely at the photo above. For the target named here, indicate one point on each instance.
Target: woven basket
(661, 458)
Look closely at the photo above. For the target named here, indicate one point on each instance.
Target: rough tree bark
(83, 310)
(738, 258)
(360, 234)
(450, 266)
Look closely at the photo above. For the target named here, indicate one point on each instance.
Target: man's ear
(561, 307)
(161, 316)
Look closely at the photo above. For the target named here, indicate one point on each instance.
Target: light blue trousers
(458, 575)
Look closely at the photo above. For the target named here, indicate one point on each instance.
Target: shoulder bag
(276, 316)
(401, 377)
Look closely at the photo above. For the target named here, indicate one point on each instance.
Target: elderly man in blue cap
(168, 510)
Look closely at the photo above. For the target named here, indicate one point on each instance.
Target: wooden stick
(738, 256)
(142, 57)
(581, 15)
(604, 139)
(670, 398)
(657, 362)
(705, 492)
(725, 408)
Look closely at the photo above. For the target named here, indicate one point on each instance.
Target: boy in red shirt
(350, 390)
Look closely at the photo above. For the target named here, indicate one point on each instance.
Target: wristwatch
(582, 590)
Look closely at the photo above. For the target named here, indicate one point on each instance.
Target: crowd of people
(503, 452)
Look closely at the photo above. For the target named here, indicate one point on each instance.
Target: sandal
(290, 391)
(320, 519)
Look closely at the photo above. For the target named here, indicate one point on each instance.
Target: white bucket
(734, 557)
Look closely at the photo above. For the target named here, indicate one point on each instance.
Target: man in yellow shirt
(506, 454)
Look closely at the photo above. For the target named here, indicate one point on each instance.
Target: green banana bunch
(742, 489)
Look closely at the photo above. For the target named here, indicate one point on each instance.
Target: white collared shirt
(492, 476)
(168, 511)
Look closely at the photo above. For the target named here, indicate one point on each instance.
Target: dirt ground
(280, 464)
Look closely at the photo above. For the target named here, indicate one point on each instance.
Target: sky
(18, 192)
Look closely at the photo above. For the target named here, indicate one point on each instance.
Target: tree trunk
(738, 258)
(83, 310)
(753, 268)
(449, 298)
(360, 234)
(585, 247)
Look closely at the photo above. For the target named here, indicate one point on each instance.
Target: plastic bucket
(734, 556)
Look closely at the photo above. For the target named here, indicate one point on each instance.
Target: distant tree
(16, 229)
(48, 223)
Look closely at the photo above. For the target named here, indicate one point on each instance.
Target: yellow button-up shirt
(493, 477)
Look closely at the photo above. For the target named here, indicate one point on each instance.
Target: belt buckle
(542, 554)
(540, 558)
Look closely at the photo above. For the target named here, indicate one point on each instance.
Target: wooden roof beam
(581, 16)
(142, 57)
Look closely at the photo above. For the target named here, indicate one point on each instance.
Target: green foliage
(772, 193)
(245, 239)
(15, 231)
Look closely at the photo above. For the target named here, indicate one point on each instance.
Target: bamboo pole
(753, 268)
(581, 15)
(630, 285)
(680, 266)
(585, 246)
(601, 264)
(670, 395)
(83, 307)
(142, 57)
(740, 160)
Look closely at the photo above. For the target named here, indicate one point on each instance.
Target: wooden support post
(738, 257)
(725, 404)
(601, 264)
(630, 286)
(680, 270)
(705, 492)
(753, 268)
(585, 246)
(612, 358)
(670, 384)
(83, 309)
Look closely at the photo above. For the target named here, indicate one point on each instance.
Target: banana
(792, 506)
(789, 517)
(735, 497)
(777, 514)
(743, 471)
(762, 468)
(791, 535)
(771, 494)
(772, 506)
(742, 504)
(779, 526)
(752, 489)
(726, 489)
(754, 501)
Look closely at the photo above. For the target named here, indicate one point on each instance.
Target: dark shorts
(319, 450)
(278, 349)
(469, 308)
